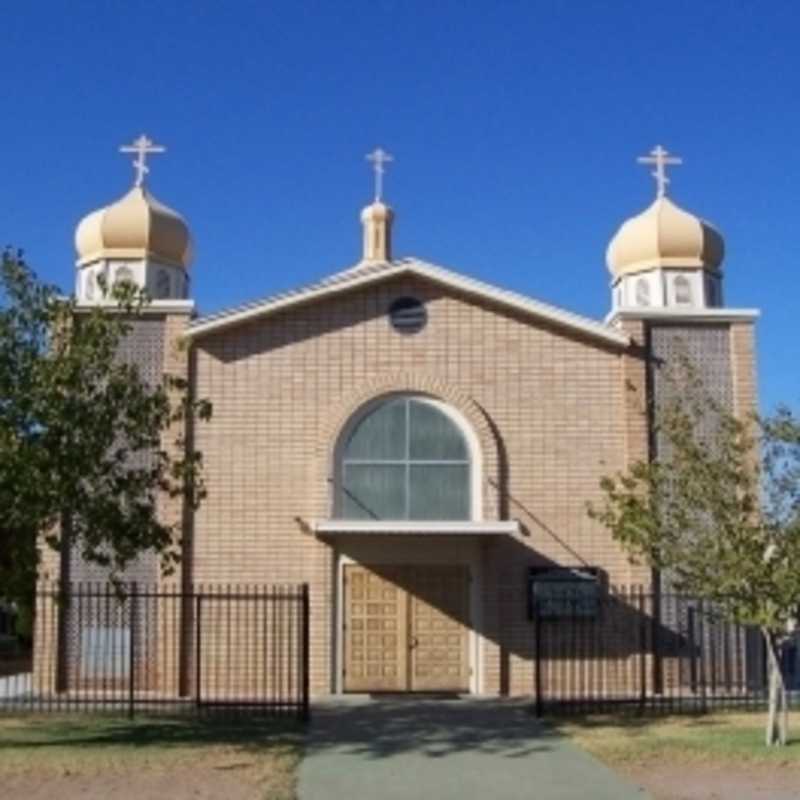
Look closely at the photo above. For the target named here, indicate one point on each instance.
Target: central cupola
(377, 217)
(665, 257)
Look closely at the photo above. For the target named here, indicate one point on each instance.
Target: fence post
(643, 652)
(197, 650)
(692, 654)
(306, 660)
(132, 652)
(537, 632)
(701, 635)
(657, 630)
(59, 598)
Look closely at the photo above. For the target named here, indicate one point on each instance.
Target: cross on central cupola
(379, 158)
(660, 158)
(143, 147)
(377, 216)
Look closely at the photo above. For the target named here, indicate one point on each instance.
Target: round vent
(407, 315)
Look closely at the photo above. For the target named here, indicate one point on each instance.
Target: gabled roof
(367, 273)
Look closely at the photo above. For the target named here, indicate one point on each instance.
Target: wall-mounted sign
(563, 592)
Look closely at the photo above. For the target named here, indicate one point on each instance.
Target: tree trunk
(778, 715)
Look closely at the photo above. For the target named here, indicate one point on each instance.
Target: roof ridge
(371, 271)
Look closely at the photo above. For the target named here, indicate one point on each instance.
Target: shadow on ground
(247, 734)
(629, 721)
(434, 727)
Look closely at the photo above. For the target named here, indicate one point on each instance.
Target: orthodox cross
(379, 158)
(142, 147)
(661, 159)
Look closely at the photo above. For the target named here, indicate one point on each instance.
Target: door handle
(414, 642)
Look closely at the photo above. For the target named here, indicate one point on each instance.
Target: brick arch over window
(340, 415)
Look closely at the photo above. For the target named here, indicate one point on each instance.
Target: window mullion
(408, 458)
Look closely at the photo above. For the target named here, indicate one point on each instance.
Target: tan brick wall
(743, 367)
(550, 410)
(172, 656)
(636, 400)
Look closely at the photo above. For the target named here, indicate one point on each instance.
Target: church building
(415, 444)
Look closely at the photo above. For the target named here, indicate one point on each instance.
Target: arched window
(642, 292)
(163, 287)
(405, 458)
(123, 275)
(683, 290)
(711, 292)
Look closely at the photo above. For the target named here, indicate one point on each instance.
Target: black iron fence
(133, 648)
(662, 651)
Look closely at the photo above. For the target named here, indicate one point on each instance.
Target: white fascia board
(697, 315)
(520, 302)
(217, 323)
(153, 307)
(407, 527)
(566, 319)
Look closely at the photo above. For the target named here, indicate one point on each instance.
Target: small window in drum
(642, 292)
(408, 315)
(683, 290)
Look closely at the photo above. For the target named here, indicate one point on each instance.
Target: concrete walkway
(470, 749)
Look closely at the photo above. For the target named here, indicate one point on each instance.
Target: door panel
(438, 629)
(375, 632)
(406, 628)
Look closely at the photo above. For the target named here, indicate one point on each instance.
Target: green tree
(718, 512)
(87, 445)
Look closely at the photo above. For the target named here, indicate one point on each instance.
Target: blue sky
(514, 125)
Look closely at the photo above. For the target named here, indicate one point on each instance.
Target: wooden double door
(406, 628)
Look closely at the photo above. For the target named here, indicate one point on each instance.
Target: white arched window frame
(345, 502)
(683, 290)
(90, 284)
(124, 273)
(163, 288)
(712, 292)
(642, 289)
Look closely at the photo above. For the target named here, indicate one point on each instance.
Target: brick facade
(551, 409)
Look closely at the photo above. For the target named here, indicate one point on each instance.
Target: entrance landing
(467, 749)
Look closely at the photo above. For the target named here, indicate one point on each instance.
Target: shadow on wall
(622, 631)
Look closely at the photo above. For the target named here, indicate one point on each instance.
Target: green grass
(717, 738)
(266, 751)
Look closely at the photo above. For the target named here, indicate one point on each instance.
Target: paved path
(446, 750)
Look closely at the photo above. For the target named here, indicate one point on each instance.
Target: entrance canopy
(339, 527)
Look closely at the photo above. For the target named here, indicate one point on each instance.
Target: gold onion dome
(664, 235)
(136, 226)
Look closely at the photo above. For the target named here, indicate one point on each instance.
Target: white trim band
(362, 276)
(685, 314)
(505, 527)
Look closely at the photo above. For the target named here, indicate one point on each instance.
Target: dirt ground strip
(189, 783)
(42, 759)
(686, 781)
(715, 756)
